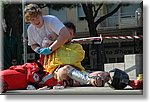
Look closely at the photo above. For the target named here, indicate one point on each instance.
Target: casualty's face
(37, 21)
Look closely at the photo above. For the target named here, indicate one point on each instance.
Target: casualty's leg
(78, 75)
(97, 78)
(66, 72)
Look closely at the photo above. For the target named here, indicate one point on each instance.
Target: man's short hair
(71, 26)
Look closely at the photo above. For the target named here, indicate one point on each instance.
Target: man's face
(71, 32)
(37, 21)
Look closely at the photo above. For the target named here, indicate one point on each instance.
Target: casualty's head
(33, 14)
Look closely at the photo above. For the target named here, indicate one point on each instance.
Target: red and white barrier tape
(87, 39)
(106, 37)
(100, 38)
(122, 37)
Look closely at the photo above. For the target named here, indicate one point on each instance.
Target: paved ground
(77, 91)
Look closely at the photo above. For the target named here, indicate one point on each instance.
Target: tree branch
(96, 11)
(107, 15)
(84, 6)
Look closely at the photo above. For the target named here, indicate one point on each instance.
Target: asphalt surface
(77, 91)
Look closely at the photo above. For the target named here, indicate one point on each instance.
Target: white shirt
(50, 29)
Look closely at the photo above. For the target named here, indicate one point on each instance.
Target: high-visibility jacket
(71, 54)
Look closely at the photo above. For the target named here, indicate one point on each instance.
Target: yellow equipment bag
(71, 53)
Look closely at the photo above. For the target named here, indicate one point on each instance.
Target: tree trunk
(87, 8)
(93, 49)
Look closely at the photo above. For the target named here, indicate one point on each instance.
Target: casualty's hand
(46, 51)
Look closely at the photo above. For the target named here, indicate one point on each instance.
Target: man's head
(71, 27)
(33, 14)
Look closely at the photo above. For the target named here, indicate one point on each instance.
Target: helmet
(120, 79)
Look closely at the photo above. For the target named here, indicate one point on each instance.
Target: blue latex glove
(37, 50)
(46, 51)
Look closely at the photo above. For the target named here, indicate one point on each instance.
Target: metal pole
(24, 35)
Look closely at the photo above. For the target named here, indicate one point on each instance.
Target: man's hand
(46, 51)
